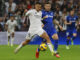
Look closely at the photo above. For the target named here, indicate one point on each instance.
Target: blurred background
(19, 7)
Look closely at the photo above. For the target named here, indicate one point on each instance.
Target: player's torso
(50, 16)
(11, 25)
(35, 19)
(48, 22)
(73, 21)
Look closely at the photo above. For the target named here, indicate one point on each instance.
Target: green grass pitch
(28, 53)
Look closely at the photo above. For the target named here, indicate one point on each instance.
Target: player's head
(47, 6)
(10, 1)
(72, 12)
(11, 17)
(38, 6)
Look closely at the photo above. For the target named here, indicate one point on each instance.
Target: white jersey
(11, 25)
(35, 19)
(35, 23)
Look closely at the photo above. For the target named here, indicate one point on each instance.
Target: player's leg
(8, 33)
(74, 34)
(68, 39)
(73, 38)
(55, 37)
(46, 37)
(12, 38)
(28, 38)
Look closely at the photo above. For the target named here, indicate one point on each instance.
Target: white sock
(12, 39)
(55, 51)
(50, 47)
(20, 46)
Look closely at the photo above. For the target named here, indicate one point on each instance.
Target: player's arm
(6, 26)
(45, 17)
(77, 23)
(28, 13)
(57, 23)
(42, 25)
(16, 25)
(67, 22)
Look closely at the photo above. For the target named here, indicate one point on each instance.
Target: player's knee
(74, 35)
(47, 37)
(25, 42)
(8, 36)
(55, 37)
(12, 34)
(68, 38)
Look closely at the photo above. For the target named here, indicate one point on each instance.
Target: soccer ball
(43, 47)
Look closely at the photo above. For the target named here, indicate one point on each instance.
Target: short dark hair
(47, 3)
(72, 10)
(38, 3)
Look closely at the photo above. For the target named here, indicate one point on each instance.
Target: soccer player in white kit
(10, 27)
(35, 16)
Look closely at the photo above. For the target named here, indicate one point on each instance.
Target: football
(43, 47)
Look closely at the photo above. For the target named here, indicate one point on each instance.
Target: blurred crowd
(18, 8)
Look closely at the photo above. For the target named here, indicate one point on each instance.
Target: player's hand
(61, 28)
(42, 26)
(70, 22)
(45, 17)
(9, 31)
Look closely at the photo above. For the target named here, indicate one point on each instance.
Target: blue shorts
(69, 33)
(50, 31)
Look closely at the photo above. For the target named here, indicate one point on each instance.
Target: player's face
(72, 13)
(47, 7)
(38, 7)
(12, 18)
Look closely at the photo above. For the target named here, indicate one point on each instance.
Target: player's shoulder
(15, 21)
(32, 10)
(76, 16)
(43, 11)
(52, 12)
(68, 16)
(8, 20)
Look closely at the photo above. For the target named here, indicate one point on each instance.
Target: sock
(12, 39)
(8, 40)
(55, 46)
(73, 38)
(20, 46)
(67, 42)
(50, 47)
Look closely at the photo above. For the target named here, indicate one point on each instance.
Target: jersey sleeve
(16, 23)
(77, 18)
(7, 23)
(67, 18)
(28, 13)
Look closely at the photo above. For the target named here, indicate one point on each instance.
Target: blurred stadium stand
(20, 6)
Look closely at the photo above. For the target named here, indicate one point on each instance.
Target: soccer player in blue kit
(47, 16)
(71, 32)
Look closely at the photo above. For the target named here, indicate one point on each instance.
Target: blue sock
(67, 42)
(55, 45)
(73, 38)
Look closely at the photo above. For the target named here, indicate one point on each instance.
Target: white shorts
(9, 33)
(32, 33)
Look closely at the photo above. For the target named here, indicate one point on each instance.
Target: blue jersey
(73, 20)
(48, 22)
